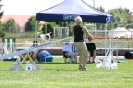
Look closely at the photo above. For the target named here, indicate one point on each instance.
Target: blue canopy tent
(69, 9)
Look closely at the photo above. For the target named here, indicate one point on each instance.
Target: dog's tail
(38, 34)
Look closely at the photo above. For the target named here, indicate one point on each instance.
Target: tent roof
(130, 30)
(69, 9)
(119, 30)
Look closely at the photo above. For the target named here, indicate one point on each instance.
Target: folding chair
(66, 58)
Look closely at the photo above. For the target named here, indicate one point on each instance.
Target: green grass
(57, 75)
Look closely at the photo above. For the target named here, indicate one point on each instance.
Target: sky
(31, 7)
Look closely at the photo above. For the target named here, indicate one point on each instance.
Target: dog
(47, 36)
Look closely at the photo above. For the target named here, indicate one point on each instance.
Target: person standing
(78, 32)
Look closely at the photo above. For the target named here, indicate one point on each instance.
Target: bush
(2, 34)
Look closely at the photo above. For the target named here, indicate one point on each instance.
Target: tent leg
(46, 28)
(36, 30)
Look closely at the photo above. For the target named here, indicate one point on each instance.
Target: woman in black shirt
(78, 31)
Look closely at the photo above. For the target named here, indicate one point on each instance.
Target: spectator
(69, 50)
(92, 51)
(35, 55)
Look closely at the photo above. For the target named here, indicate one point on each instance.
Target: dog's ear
(53, 33)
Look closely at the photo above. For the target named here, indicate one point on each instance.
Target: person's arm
(88, 34)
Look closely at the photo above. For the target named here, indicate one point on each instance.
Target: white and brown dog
(47, 36)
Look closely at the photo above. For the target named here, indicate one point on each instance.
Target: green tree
(130, 21)
(31, 23)
(121, 18)
(1, 13)
(10, 25)
(63, 24)
(50, 26)
(2, 34)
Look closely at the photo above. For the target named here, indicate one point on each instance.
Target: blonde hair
(78, 20)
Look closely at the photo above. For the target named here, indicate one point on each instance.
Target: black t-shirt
(78, 33)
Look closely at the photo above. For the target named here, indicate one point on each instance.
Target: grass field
(60, 75)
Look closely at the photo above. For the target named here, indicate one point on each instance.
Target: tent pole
(35, 31)
(70, 27)
(94, 23)
(45, 27)
(105, 38)
(94, 3)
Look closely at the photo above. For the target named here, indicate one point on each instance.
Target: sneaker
(89, 62)
(80, 67)
(84, 69)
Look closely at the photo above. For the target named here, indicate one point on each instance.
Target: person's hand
(89, 39)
